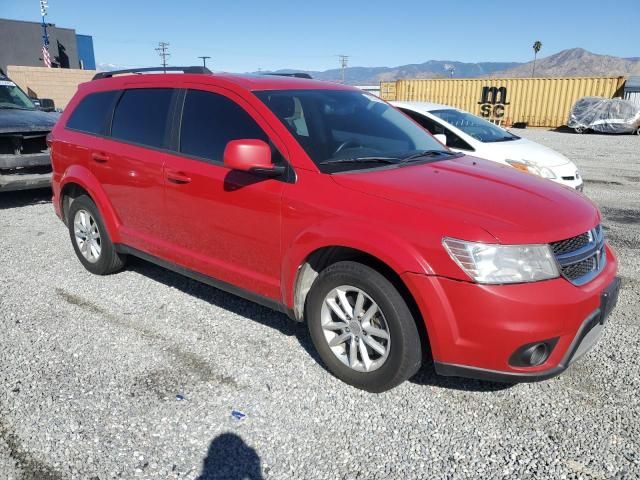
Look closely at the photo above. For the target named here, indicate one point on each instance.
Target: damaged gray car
(24, 154)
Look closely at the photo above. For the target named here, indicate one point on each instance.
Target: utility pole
(344, 60)
(163, 51)
(204, 61)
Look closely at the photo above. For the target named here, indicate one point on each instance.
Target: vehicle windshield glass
(12, 97)
(476, 127)
(347, 130)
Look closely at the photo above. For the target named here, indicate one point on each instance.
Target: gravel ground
(136, 375)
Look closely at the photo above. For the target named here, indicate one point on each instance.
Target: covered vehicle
(24, 155)
(605, 115)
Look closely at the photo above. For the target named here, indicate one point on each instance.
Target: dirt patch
(622, 215)
(32, 468)
(618, 240)
(629, 281)
(111, 318)
(602, 182)
(72, 299)
(185, 369)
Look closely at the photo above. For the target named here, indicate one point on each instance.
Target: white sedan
(467, 133)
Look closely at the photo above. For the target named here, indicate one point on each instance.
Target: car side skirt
(214, 282)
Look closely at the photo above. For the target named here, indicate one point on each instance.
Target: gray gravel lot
(135, 375)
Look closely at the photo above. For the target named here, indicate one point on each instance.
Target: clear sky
(243, 35)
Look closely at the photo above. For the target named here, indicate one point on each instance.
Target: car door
(222, 223)
(129, 164)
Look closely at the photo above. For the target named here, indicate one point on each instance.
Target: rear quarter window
(141, 116)
(92, 113)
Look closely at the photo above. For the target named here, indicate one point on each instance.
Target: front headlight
(531, 167)
(492, 263)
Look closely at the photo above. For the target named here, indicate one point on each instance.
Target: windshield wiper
(503, 139)
(361, 159)
(427, 153)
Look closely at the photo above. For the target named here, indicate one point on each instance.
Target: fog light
(537, 354)
(533, 354)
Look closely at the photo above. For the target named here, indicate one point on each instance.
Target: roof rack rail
(292, 74)
(100, 75)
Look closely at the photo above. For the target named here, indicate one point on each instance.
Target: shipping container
(537, 102)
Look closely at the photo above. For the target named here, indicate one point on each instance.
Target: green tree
(537, 45)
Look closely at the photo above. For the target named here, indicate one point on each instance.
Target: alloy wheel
(87, 235)
(355, 328)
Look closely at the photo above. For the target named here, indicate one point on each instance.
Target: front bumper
(23, 172)
(568, 175)
(13, 181)
(475, 329)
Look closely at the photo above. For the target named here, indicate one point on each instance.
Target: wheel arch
(78, 181)
(322, 257)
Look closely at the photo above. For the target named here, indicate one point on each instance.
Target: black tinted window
(453, 140)
(91, 113)
(210, 121)
(141, 116)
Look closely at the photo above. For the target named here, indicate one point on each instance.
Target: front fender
(83, 177)
(394, 251)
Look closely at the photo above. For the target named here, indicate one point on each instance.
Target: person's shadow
(231, 459)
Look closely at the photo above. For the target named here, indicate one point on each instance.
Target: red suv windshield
(345, 124)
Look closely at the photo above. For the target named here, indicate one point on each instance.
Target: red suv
(324, 202)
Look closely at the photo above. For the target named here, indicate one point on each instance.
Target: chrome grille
(581, 258)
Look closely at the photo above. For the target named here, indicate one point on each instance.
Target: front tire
(362, 328)
(90, 238)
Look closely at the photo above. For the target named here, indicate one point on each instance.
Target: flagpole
(45, 34)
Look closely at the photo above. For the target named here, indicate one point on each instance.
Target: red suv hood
(514, 207)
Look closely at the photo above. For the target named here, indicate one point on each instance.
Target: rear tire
(387, 342)
(90, 238)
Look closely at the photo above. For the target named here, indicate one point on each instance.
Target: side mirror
(44, 104)
(441, 137)
(253, 156)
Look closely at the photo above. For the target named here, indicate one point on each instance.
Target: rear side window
(90, 116)
(210, 121)
(141, 116)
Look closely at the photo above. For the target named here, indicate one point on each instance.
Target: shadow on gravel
(284, 325)
(230, 458)
(24, 198)
(562, 129)
(427, 376)
(625, 216)
(267, 317)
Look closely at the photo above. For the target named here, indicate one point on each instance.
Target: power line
(344, 60)
(204, 61)
(163, 51)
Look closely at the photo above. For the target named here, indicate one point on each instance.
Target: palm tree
(537, 45)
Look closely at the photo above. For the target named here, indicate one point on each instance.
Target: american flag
(45, 56)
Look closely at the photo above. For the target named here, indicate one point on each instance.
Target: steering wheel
(347, 144)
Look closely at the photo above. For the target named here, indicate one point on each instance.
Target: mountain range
(574, 62)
